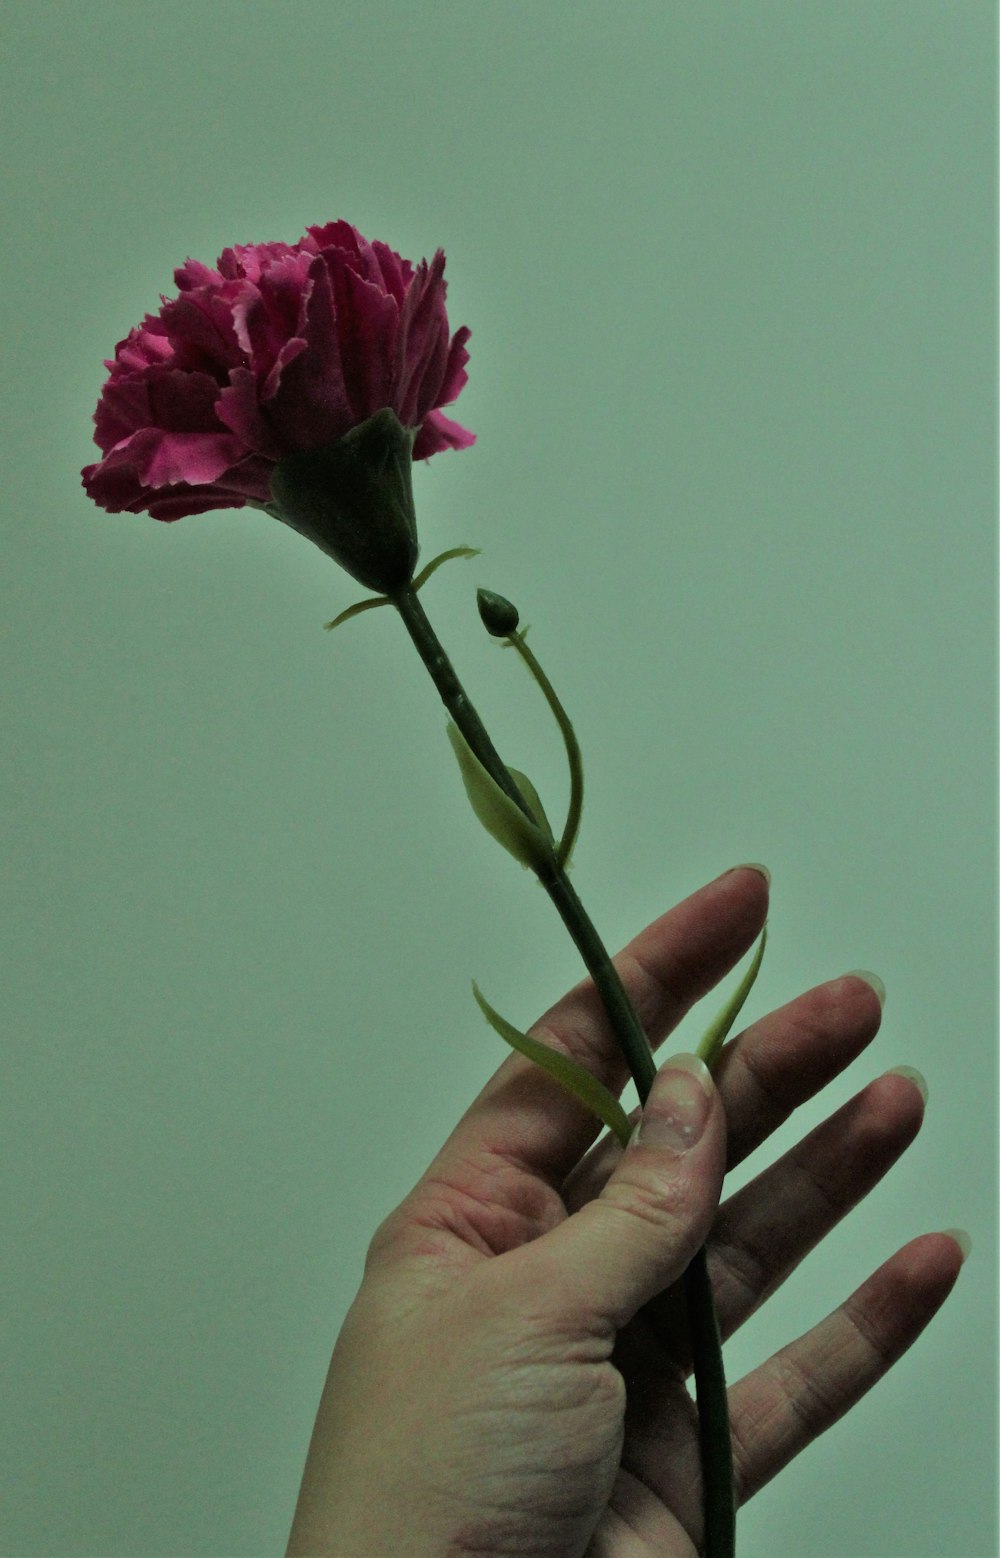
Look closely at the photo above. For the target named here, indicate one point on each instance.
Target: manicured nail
(962, 1239)
(678, 1105)
(912, 1075)
(870, 979)
(751, 865)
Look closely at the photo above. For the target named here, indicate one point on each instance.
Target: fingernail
(962, 1239)
(912, 1075)
(870, 979)
(751, 865)
(678, 1105)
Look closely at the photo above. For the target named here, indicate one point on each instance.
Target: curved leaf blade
(574, 1077)
(356, 610)
(718, 1031)
(443, 557)
(529, 842)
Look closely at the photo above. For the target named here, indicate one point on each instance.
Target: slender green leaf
(718, 1031)
(574, 1077)
(356, 609)
(529, 842)
(443, 557)
(421, 578)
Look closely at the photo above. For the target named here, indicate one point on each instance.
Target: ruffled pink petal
(396, 272)
(201, 330)
(249, 261)
(422, 350)
(455, 376)
(195, 458)
(145, 346)
(309, 407)
(193, 274)
(332, 235)
(160, 397)
(268, 314)
(153, 466)
(246, 483)
(238, 408)
(366, 328)
(291, 349)
(440, 432)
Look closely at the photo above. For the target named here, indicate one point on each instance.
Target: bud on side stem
(499, 615)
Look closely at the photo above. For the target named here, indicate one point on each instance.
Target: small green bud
(500, 616)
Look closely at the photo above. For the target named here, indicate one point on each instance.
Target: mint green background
(729, 272)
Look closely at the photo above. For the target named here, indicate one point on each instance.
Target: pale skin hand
(498, 1386)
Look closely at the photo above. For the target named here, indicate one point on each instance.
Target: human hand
(511, 1375)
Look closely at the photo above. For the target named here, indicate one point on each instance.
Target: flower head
(282, 349)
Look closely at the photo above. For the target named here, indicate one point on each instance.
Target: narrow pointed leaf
(443, 557)
(718, 1031)
(574, 1077)
(356, 609)
(529, 842)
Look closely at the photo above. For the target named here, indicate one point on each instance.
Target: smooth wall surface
(729, 273)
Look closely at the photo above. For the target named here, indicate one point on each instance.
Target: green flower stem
(453, 695)
(710, 1384)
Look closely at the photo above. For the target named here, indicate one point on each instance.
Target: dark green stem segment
(706, 1347)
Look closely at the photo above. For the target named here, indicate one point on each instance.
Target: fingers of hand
(766, 1072)
(638, 1236)
(781, 1407)
(765, 1230)
(787, 1057)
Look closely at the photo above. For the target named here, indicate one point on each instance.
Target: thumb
(654, 1213)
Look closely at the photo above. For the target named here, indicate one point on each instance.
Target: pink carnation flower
(283, 348)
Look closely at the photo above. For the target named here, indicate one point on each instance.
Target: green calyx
(354, 499)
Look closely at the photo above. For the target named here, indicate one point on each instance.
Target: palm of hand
(517, 1425)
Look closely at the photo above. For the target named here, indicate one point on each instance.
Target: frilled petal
(422, 350)
(117, 485)
(440, 432)
(196, 458)
(146, 346)
(455, 376)
(162, 398)
(159, 458)
(396, 272)
(309, 407)
(201, 329)
(194, 274)
(267, 313)
(239, 408)
(251, 261)
(248, 482)
(367, 320)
